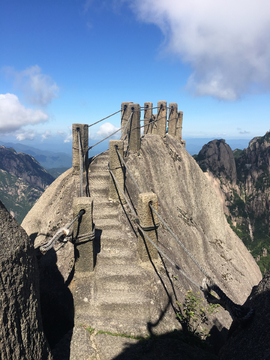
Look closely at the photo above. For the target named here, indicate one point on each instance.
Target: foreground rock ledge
(21, 330)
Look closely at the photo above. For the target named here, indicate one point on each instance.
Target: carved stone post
(160, 129)
(135, 133)
(149, 223)
(83, 130)
(179, 125)
(148, 113)
(173, 117)
(125, 114)
(117, 169)
(83, 231)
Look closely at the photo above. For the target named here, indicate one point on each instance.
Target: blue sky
(69, 61)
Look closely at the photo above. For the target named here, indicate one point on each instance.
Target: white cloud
(13, 115)
(37, 88)
(105, 130)
(226, 42)
(46, 135)
(25, 135)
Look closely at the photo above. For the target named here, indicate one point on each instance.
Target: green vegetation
(193, 315)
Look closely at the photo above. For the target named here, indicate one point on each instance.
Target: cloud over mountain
(226, 43)
(14, 115)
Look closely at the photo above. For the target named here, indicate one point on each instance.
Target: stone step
(99, 192)
(127, 306)
(105, 213)
(97, 175)
(116, 256)
(121, 270)
(108, 224)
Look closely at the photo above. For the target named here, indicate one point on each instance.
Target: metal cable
(166, 257)
(63, 232)
(180, 243)
(125, 127)
(104, 118)
(132, 178)
(122, 192)
(90, 147)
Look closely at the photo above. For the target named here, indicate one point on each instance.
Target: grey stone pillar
(160, 129)
(85, 226)
(149, 223)
(173, 117)
(83, 128)
(117, 169)
(179, 125)
(148, 113)
(135, 133)
(125, 114)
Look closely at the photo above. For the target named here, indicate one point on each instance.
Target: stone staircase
(114, 297)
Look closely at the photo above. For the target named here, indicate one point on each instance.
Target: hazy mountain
(22, 181)
(242, 178)
(47, 159)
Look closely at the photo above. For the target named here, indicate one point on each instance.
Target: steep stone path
(113, 298)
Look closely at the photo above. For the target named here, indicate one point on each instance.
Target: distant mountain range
(47, 159)
(242, 178)
(22, 181)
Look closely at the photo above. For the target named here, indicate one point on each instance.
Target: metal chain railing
(61, 233)
(107, 117)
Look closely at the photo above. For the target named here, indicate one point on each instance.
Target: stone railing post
(84, 228)
(148, 114)
(160, 128)
(179, 125)
(125, 114)
(83, 129)
(117, 169)
(173, 117)
(149, 223)
(135, 132)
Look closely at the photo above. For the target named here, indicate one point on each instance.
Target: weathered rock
(251, 341)
(217, 156)
(124, 295)
(21, 331)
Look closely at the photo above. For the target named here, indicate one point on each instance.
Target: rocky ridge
(242, 181)
(188, 204)
(22, 181)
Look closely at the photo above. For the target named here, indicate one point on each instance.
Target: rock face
(123, 294)
(217, 156)
(242, 181)
(22, 181)
(252, 340)
(21, 330)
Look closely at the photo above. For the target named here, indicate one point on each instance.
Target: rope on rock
(61, 233)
